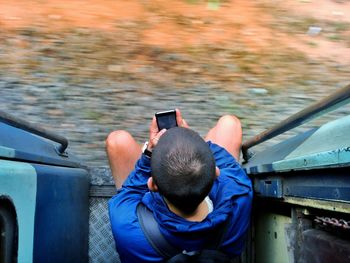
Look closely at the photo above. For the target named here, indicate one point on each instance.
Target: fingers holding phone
(154, 140)
(154, 134)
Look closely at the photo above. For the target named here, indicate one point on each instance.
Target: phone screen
(166, 119)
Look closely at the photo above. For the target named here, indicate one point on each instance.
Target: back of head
(183, 167)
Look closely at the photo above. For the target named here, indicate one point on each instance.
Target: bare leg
(228, 134)
(123, 152)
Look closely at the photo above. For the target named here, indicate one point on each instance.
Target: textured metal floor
(101, 242)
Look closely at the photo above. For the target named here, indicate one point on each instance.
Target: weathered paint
(334, 158)
(269, 188)
(18, 181)
(319, 204)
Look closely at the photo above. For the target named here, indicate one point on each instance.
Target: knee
(117, 140)
(230, 121)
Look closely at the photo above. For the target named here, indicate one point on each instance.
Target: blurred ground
(85, 68)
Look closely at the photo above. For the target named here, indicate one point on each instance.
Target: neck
(198, 215)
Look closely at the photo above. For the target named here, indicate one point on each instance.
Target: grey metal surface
(262, 161)
(34, 129)
(319, 246)
(100, 176)
(101, 242)
(16, 143)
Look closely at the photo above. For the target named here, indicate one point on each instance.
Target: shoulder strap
(151, 230)
(218, 236)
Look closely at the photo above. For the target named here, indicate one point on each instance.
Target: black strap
(216, 239)
(151, 230)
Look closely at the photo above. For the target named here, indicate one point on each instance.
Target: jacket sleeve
(137, 180)
(130, 241)
(135, 186)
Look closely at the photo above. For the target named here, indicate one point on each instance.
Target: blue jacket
(231, 194)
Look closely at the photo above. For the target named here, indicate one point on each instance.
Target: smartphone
(166, 119)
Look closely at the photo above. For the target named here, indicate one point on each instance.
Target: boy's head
(183, 168)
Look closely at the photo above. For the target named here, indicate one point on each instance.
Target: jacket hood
(224, 201)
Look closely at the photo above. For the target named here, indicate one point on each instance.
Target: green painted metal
(328, 147)
(272, 242)
(7, 152)
(331, 136)
(336, 158)
(19, 181)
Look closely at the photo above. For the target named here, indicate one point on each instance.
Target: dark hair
(183, 167)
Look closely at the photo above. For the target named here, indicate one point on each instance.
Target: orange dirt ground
(176, 24)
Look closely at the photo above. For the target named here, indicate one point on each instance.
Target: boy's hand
(154, 134)
(180, 121)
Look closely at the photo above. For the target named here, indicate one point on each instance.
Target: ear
(152, 185)
(217, 171)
